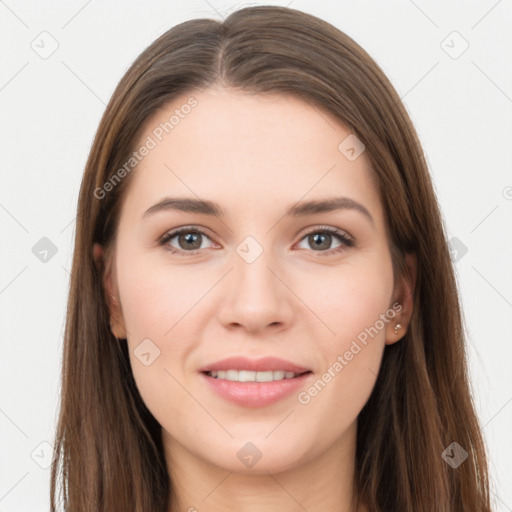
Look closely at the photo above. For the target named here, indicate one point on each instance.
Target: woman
(263, 313)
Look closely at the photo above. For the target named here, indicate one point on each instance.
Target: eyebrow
(191, 205)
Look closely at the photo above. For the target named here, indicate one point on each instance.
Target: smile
(251, 393)
(250, 376)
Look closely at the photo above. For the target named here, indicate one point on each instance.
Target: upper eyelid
(332, 229)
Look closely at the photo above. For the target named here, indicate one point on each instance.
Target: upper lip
(255, 365)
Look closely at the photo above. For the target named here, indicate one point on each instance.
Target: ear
(404, 296)
(106, 267)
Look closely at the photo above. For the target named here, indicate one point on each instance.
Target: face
(312, 287)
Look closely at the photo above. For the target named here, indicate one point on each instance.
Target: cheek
(161, 304)
(352, 299)
(357, 312)
(150, 308)
(157, 298)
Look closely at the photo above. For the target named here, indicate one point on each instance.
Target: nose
(256, 296)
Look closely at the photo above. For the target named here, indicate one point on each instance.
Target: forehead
(244, 150)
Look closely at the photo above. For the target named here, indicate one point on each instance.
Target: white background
(50, 109)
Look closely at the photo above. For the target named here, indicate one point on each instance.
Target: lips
(256, 394)
(264, 364)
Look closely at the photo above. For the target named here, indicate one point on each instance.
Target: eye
(321, 238)
(189, 240)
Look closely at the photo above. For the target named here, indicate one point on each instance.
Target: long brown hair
(109, 454)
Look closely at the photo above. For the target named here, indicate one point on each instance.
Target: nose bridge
(255, 297)
(254, 280)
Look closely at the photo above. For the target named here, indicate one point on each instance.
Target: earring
(397, 327)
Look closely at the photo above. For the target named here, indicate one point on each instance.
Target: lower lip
(255, 394)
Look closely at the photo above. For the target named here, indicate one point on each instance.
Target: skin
(255, 156)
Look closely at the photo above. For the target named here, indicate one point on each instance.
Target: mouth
(234, 375)
(248, 382)
(253, 393)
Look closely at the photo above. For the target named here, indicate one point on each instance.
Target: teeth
(249, 376)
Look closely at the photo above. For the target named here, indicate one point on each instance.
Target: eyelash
(341, 236)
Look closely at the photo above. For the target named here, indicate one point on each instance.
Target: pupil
(320, 238)
(189, 237)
